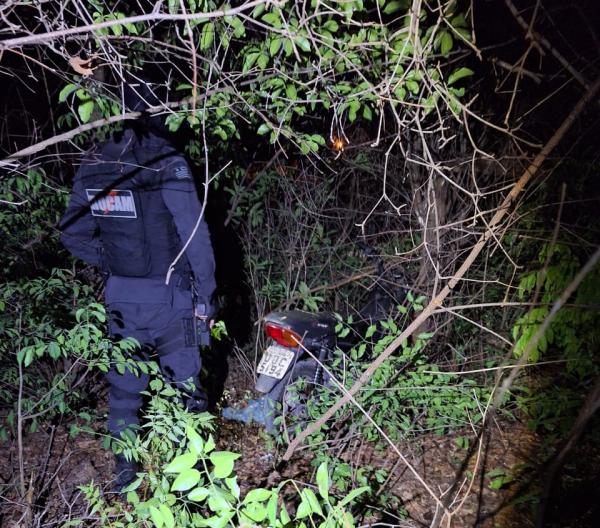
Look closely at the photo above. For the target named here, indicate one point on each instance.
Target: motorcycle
(301, 347)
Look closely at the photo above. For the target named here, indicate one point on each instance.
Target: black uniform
(133, 206)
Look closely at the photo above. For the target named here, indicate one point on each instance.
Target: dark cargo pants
(161, 318)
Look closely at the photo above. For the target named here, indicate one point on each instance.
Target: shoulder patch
(182, 172)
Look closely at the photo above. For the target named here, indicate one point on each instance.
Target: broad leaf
(65, 92)
(85, 111)
(198, 494)
(310, 496)
(459, 74)
(223, 462)
(181, 463)
(156, 517)
(323, 480)
(353, 495)
(257, 495)
(196, 442)
(445, 43)
(207, 36)
(186, 480)
(167, 516)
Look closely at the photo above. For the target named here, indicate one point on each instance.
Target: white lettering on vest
(116, 203)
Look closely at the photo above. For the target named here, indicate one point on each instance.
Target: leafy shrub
(187, 482)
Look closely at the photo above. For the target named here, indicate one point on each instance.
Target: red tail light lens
(283, 336)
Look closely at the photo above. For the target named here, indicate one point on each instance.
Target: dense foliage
(353, 156)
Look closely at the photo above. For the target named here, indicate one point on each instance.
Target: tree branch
(51, 35)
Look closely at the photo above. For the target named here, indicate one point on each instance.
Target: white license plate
(275, 361)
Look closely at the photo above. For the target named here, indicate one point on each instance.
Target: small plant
(188, 482)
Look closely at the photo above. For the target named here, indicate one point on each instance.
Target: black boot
(125, 473)
(197, 402)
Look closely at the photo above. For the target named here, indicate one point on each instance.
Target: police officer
(132, 209)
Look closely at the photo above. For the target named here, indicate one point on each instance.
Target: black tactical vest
(122, 186)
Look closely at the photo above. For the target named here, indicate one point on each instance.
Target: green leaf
(262, 61)
(219, 132)
(29, 355)
(233, 486)
(250, 60)
(181, 463)
(255, 512)
(238, 27)
(274, 46)
(284, 516)
(303, 510)
(219, 500)
(65, 92)
(291, 92)
(207, 36)
(223, 462)
(305, 149)
(117, 30)
(392, 7)
(257, 495)
(209, 444)
(54, 350)
(287, 47)
(353, 495)
(310, 496)
(413, 86)
(167, 516)
(303, 43)
(196, 442)
(400, 93)
(459, 74)
(198, 494)
(85, 111)
(156, 517)
(132, 28)
(445, 43)
(496, 483)
(263, 129)
(258, 10)
(317, 138)
(134, 485)
(272, 508)
(459, 21)
(186, 480)
(331, 26)
(272, 19)
(323, 480)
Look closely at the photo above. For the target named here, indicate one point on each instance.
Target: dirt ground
(55, 466)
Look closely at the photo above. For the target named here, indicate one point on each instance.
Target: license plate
(275, 361)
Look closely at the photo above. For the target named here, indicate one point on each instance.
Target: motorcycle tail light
(283, 336)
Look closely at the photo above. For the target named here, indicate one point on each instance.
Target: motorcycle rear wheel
(293, 392)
